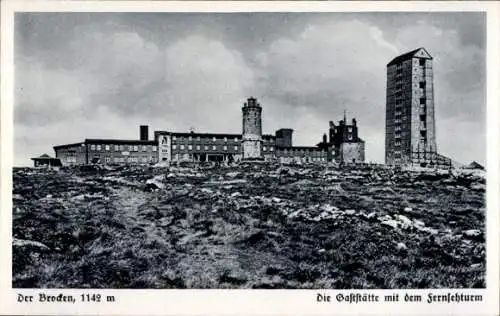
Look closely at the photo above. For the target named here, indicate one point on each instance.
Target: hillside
(248, 226)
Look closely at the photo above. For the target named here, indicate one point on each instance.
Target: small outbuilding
(46, 161)
(475, 165)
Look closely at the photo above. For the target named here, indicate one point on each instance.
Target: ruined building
(410, 128)
(344, 145)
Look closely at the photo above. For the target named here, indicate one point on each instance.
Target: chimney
(144, 132)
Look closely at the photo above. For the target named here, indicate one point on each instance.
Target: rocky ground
(248, 226)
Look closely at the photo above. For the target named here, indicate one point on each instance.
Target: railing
(430, 158)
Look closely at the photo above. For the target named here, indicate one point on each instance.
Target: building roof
(107, 142)
(184, 134)
(67, 145)
(410, 55)
(475, 165)
(119, 141)
(268, 136)
(197, 134)
(44, 157)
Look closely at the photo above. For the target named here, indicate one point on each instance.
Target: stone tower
(409, 124)
(252, 130)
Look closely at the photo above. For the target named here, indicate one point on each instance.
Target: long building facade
(410, 128)
(251, 145)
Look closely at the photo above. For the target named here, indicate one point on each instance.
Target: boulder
(406, 222)
(235, 194)
(417, 222)
(349, 212)
(232, 174)
(392, 223)
(384, 218)
(29, 244)
(328, 208)
(155, 184)
(275, 200)
(473, 233)
(401, 246)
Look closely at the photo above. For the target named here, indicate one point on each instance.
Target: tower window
(422, 100)
(421, 62)
(422, 85)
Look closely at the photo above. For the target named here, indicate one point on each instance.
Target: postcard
(277, 158)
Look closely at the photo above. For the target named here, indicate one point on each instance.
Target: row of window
(98, 147)
(214, 148)
(302, 151)
(337, 129)
(214, 139)
(129, 159)
(206, 147)
(198, 138)
(308, 159)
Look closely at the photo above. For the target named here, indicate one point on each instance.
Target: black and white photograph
(249, 150)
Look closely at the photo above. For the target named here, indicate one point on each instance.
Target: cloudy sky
(101, 75)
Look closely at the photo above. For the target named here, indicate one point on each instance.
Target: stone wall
(74, 155)
(252, 131)
(352, 152)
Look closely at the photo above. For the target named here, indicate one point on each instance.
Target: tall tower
(409, 115)
(252, 130)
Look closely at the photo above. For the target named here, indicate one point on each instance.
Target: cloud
(327, 69)
(194, 82)
(44, 95)
(459, 70)
(103, 75)
(207, 83)
(464, 137)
